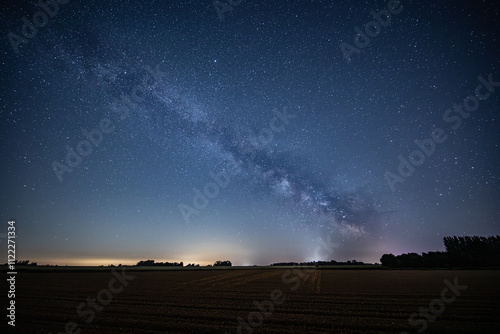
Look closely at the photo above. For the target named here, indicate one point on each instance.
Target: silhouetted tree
(473, 251)
(388, 260)
(464, 251)
(226, 263)
(159, 264)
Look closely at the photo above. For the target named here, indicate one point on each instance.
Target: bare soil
(210, 301)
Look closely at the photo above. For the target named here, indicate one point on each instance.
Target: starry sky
(194, 132)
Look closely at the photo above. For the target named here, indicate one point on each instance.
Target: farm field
(212, 301)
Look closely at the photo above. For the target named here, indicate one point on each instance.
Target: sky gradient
(178, 131)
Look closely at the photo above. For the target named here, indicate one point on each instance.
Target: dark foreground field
(211, 301)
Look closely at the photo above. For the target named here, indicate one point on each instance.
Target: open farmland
(211, 301)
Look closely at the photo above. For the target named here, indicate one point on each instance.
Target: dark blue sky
(155, 129)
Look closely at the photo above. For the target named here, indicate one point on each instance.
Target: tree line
(152, 263)
(318, 263)
(463, 251)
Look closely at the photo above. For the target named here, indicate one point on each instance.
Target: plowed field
(258, 301)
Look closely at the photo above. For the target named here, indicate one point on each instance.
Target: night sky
(177, 131)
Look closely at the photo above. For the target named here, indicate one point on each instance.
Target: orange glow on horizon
(95, 262)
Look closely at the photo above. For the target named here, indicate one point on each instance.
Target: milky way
(166, 112)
